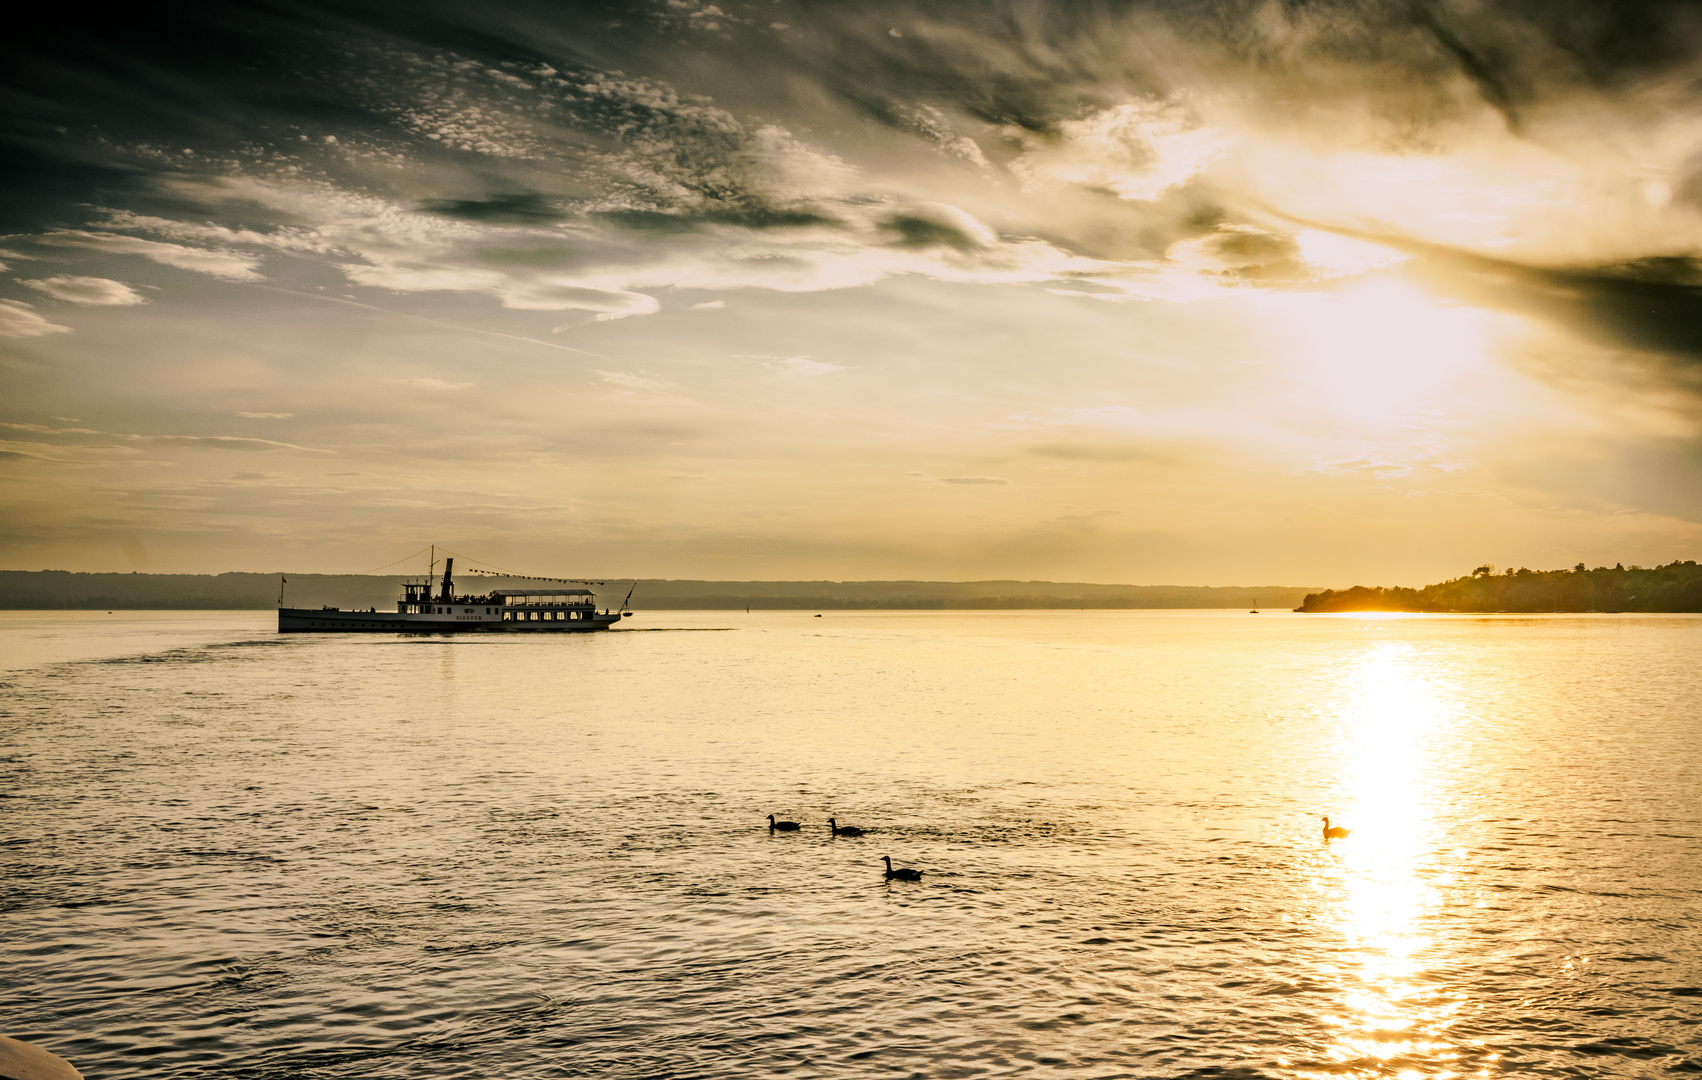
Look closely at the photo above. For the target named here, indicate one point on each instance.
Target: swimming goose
(848, 830)
(1337, 833)
(903, 873)
(782, 826)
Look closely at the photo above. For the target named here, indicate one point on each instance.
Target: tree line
(1676, 586)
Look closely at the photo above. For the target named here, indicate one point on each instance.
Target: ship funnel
(448, 585)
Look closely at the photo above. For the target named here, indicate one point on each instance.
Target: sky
(1213, 292)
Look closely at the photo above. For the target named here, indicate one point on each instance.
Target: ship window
(534, 616)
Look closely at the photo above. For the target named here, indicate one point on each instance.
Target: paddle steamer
(423, 611)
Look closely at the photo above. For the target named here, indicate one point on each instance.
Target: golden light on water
(1379, 883)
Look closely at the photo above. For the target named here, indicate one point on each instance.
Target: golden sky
(1207, 293)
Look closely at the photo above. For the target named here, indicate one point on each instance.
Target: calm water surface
(228, 853)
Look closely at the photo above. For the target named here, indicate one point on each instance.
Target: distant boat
(421, 611)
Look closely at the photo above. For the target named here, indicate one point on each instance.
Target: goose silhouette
(781, 826)
(1337, 833)
(844, 830)
(902, 873)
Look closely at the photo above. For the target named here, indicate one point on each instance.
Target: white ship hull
(453, 619)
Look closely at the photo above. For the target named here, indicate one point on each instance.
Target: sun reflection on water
(1378, 883)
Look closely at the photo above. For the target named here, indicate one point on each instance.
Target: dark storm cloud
(913, 230)
(527, 208)
(1651, 305)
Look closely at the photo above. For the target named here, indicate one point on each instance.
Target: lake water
(229, 853)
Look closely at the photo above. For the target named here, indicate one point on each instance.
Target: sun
(1380, 352)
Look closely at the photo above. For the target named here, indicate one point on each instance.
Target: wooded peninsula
(1676, 586)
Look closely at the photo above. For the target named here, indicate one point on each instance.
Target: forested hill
(51, 589)
(1676, 586)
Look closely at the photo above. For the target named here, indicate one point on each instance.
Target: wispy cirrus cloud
(217, 262)
(43, 429)
(102, 292)
(21, 320)
(801, 366)
(434, 385)
(632, 381)
(226, 442)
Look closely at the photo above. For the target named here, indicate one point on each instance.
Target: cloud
(225, 442)
(1137, 150)
(938, 128)
(19, 320)
(1100, 450)
(632, 382)
(973, 480)
(267, 415)
(43, 429)
(802, 366)
(87, 290)
(709, 305)
(561, 294)
(592, 264)
(229, 265)
(1653, 305)
(522, 208)
(934, 224)
(433, 385)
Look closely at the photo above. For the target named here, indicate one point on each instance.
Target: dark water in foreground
(232, 854)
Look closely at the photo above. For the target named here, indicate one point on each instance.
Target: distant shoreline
(60, 590)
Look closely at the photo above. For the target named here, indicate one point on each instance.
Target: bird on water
(903, 873)
(781, 826)
(1337, 833)
(847, 830)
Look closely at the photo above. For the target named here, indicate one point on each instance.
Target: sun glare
(1343, 256)
(1378, 879)
(1380, 351)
